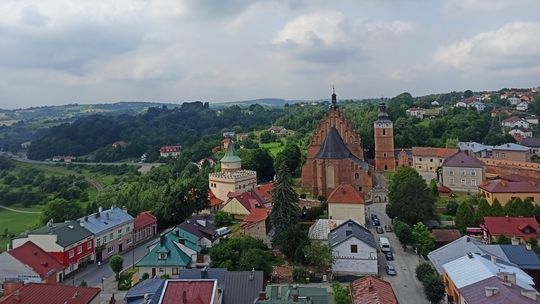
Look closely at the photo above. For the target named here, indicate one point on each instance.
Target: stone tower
(384, 142)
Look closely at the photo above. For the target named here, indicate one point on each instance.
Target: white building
(478, 105)
(515, 122)
(416, 112)
(460, 104)
(522, 106)
(514, 100)
(354, 250)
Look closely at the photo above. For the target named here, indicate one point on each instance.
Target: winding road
(19, 211)
(43, 162)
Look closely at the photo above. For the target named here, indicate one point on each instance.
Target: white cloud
(514, 45)
(458, 7)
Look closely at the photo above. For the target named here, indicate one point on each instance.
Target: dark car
(376, 222)
(388, 228)
(391, 270)
(374, 217)
(379, 229)
(389, 256)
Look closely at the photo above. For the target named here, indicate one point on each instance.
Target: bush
(303, 195)
(83, 283)
(451, 208)
(164, 277)
(145, 276)
(222, 218)
(299, 275)
(423, 271)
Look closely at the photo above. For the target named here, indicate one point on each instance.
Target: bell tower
(384, 142)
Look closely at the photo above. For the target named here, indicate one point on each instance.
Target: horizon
(58, 53)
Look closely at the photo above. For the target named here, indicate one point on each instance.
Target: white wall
(47, 242)
(363, 262)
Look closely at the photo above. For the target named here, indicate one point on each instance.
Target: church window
(383, 131)
(384, 154)
(385, 167)
(356, 175)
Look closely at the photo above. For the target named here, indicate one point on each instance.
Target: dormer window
(162, 256)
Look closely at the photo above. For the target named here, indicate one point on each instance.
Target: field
(274, 147)
(16, 223)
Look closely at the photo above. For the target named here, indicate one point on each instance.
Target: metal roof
(350, 229)
(106, 220)
(67, 233)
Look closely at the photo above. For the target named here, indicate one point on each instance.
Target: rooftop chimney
(162, 239)
(184, 297)
(252, 274)
(493, 259)
(470, 255)
(204, 273)
(528, 246)
(100, 209)
(17, 295)
(262, 295)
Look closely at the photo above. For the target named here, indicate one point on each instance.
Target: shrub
(423, 271)
(145, 276)
(299, 275)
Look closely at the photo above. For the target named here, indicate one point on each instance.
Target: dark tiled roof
(533, 142)
(505, 186)
(333, 146)
(445, 235)
(240, 288)
(135, 295)
(201, 226)
(68, 233)
(519, 255)
(462, 160)
(211, 273)
(476, 293)
(407, 151)
(195, 291)
(339, 234)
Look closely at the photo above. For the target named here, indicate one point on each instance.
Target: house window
(451, 172)
(71, 253)
(356, 176)
(473, 182)
(452, 181)
(89, 245)
(161, 270)
(354, 248)
(120, 233)
(79, 250)
(110, 249)
(104, 239)
(462, 172)
(111, 236)
(129, 241)
(503, 155)
(175, 270)
(463, 181)
(162, 256)
(127, 229)
(384, 154)
(431, 160)
(531, 198)
(383, 131)
(98, 242)
(420, 159)
(473, 173)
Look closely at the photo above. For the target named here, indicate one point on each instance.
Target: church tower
(384, 142)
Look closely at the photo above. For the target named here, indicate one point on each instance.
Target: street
(406, 287)
(93, 274)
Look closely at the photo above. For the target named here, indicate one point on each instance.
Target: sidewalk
(109, 289)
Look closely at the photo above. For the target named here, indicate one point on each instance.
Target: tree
(483, 210)
(433, 187)
(318, 254)
(60, 210)
(434, 289)
(222, 218)
(502, 240)
(292, 157)
(518, 207)
(341, 294)
(241, 253)
(261, 161)
(451, 143)
(467, 94)
(285, 211)
(116, 262)
(410, 199)
(496, 208)
(403, 232)
(465, 217)
(451, 207)
(83, 283)
(424, 270)
(422, 239)
(292, 241)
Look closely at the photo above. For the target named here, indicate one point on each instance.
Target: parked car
(391, 270)
(379, 229)
(374, 217)
(389, 256)
(388, 228)
(376, 222)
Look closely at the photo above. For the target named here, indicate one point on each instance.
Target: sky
(55, 52)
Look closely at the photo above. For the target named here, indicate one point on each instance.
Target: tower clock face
(383, 125)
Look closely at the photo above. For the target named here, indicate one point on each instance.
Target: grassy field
(16, 223)
(274, 147)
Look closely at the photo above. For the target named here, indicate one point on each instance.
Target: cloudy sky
(65, 51)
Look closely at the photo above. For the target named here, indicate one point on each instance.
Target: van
(384, 244)
(222, 231)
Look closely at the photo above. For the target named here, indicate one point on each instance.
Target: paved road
(30, 161)
(93, 275)
(406, 287)
(94, 183)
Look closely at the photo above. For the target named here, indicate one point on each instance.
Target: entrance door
(119, 248)
(153, 272)
(99, 256)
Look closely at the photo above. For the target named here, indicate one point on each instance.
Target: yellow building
(241, 204)
(506, 190)
(427, 159)
(344, 203)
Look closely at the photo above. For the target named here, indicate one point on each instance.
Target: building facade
(335, 156)
(345, 203)
(428, 160)
(144, 227)
(384, 142)
(463, 173)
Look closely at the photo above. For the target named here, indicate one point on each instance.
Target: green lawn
(16, 223)
(274, 147)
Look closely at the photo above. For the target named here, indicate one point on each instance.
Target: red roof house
(257, 224)
(265, 191)
(48, 268)
(520, 228)
(144, 226)
(345, 194)
(189, 291)
(372, 290)
(167, 151)
(37, 293)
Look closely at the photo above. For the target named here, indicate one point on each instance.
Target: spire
(230, 155)
(382, 112)
(334, 98)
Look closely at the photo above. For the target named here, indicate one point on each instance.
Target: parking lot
(406, 287)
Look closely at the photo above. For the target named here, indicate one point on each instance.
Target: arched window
(383, 131)
(385, 167)
(356, 175)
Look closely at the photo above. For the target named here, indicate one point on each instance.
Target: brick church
(335, 156)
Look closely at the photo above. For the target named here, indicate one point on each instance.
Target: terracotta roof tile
(37, 293)
(345, 194)
(265, 191)
(462, 160)
(249, 200)
(39, 260)
(511, 226)
(372, 290)
(256, 215)
(189, 291)
(445, 235)
(506, 186)
(214, 200)
(144, 219)
(436, 152)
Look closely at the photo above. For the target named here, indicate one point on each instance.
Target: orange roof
(372, 290)
(51, 294)
(265, 191)
(37, 259)
(345, 194)
(430, 151)
(214, 201)
(256, 215)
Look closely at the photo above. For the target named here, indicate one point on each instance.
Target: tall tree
(424, 270)
(403, 232)
(422, 239)
(292, 157)
(410, 199)
(318, 254)
(260, 161)
(292, 241)
(496, 208)
(116, 263)
(483, 210)
(60, 210)
(285, 210)
(434, 289)
(465, 216)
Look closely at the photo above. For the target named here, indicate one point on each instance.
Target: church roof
(230, 155)
(333, 146)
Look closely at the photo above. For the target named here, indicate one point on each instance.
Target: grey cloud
(30, 15)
